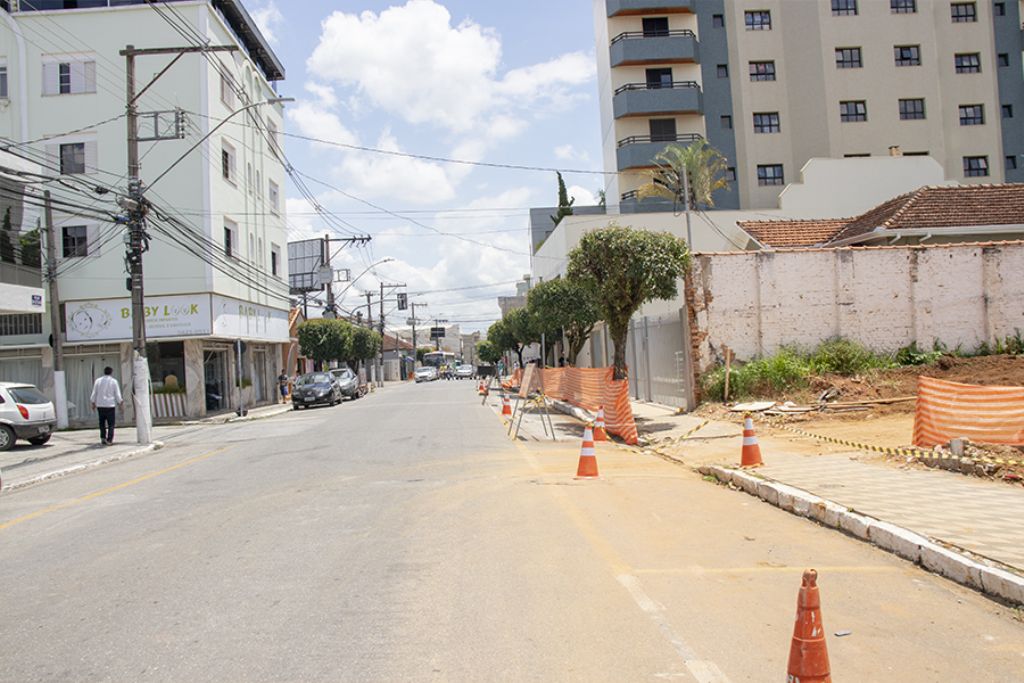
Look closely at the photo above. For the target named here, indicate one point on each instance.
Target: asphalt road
(403, 537)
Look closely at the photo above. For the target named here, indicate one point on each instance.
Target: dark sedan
(316, 388)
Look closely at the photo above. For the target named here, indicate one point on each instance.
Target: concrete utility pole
(383, 285)
(60, 387)
(325, 258)
(686, 203)
(369, 323)
(415, 348)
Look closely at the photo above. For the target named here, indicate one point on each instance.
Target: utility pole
(369, 323)
(415, 348)
(686, 199)
(383, 285)
(60, 387)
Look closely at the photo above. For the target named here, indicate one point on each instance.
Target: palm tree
(689, 175)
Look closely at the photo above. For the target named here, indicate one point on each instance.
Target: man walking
(106, 397)
(282, 383)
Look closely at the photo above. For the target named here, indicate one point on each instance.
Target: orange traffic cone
(808, 655)
(506, 406)
(587, 468)
(600, 433)
(751, 451)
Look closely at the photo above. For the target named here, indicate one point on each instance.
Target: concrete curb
(975, 572)
(81, 467)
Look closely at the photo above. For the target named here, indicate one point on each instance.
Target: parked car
(465, 371)
(316, 388)
(25, 413)
(427, 373)
(348, 381)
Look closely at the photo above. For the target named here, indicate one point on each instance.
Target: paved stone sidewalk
(981, 516)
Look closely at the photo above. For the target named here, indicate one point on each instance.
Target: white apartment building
(774, 83)
(216, 268)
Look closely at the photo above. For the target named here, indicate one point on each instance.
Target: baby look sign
(111, 319)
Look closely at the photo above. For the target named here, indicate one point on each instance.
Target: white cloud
(569, 153)
(411, 61)
(312, 118)
(268, 18)
(583, 196)
(378, 175)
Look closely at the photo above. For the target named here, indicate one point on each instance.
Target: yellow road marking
(110, 489)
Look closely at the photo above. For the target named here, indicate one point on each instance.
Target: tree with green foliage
(30, 251)
(422, 351)
(500, 335)
(523, 329)
(8, 253)
(564, 202)
(365, 344)
(325, 340)
(704, 168)
(488, 352)
(626, 268)
(565, 305)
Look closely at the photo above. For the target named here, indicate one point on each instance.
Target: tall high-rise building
(774, 83)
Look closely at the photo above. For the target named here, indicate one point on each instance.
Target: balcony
(630, 202)
(638, 151)
(646, 99)
(663, 47)
(618, 8)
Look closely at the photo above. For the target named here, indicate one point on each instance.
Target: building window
(273, 196)
(275, 260)
(842, 8)
(662, 130)
(916, 154)
(758, 20)
(69, 77)
(75, 241)
(972, 114)
(227, 93)
(727, 121)
(723, 71)
(968, 63)
(272, 135)
(762, 71)
(230, 237)
(911, 109)
(1003, 59)
(21, 323)
(999, 9)
(767, 122)
(963, 12)
(717, 21)
(72, 158)
(1011, 162)
(769, 174)
(659, 78)
(1007, 111)
(730, 174)
(975, 167)
(907, 55)
(227, 162)
(853, 111)
(848, 58)
(903, 6)
(655, 27)
(3, 82)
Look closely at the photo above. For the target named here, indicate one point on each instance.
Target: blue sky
(495, 82)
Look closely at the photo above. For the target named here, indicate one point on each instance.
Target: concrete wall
(885, 297)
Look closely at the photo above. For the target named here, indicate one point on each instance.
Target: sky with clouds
(492, 82)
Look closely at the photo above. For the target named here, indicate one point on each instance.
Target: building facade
(217, 307)
(773, 84)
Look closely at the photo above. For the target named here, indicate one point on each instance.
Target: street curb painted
(81, 467)
(981, 574)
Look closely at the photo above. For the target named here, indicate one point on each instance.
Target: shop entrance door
(215, 378)
(259, 376)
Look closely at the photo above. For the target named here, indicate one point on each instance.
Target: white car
(465, 371)
(427, 373)
(25, 413)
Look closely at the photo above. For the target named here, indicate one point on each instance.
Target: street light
(272, 100)
(330, 311)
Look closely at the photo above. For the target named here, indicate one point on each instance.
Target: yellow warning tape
(906, 452)
(693, 431)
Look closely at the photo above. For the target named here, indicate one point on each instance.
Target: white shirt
(106, 392)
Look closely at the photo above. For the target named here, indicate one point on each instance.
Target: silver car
(25, 413)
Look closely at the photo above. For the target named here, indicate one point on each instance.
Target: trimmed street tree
(626, 268)
(325, 340)
(365, 344)
(565, 304)
(7, 251)
(499, 335)
(30, 254)
(488, 352)
(521, 326)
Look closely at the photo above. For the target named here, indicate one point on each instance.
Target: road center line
(110, 489)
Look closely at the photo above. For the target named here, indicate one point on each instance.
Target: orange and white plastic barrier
(600, 433)
(808, 654)
(591, 389)
(506, 406)
(587, 467)
(983, 414)
(751, 456)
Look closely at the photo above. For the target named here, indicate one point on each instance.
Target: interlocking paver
(981, 516)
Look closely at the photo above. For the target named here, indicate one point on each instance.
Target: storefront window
(167, 366)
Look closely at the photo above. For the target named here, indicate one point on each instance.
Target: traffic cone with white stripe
(808, 653)
(600, 433)
(506, 406)
(751, 450)
(587, 468)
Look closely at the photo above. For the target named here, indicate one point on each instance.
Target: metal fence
(658, 359)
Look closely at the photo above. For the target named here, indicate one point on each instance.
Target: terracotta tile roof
(794, 233)
(389, 343)
(928, 207)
